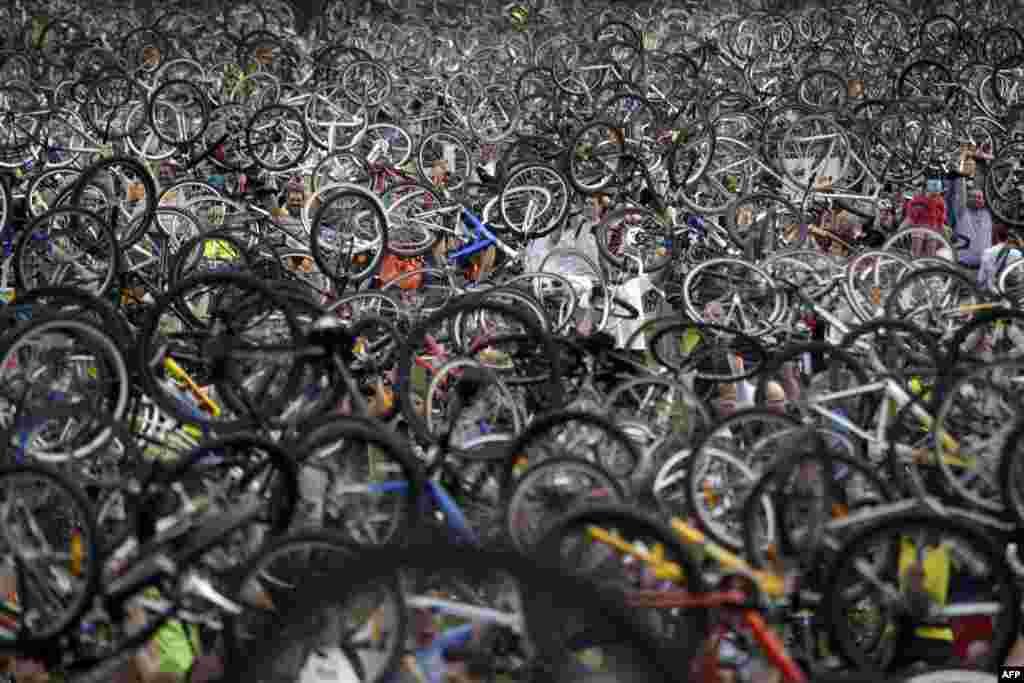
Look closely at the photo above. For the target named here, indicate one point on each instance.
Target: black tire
(981, 544)
(150, 350)
(538, 430)
(416, 337)
(862, 408)
(547, 593)
(614, 493)
(299, 123)
(24, 644)
(704, 357)
(139, 174)
(956, 358)
(750, 505)
(305, 542)
(198, 96)
(1011, 468)
(334, 430)
(602, 237)
(105, 246)
(755, 243)
(571, 167)
(319, 234)
(629, 519)
(92, 308)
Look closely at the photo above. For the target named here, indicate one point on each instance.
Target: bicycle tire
(546, 591)
(399, 222)
(751, 350)
(119, 398)
(956, 357)
(538, 469)
(251, 144)
(656, 262)
(283, 504)
(629, 518)
(539, 430)
(553, 215)
(333, 429)
(417, 335)
(319, 233)
(982, 544)
(106, 315)
(248, 582)
(516, 298)
(44, 643)
(779, 305)
(139, 173)
(150, 353)
(751, 541)
(198, 97)
(105, 237)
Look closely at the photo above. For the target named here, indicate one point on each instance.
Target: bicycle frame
(436, 499)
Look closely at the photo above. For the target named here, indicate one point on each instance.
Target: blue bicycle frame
(482, 237)
(437, 498)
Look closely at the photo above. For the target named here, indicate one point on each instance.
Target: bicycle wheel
(885, 549)
(383, 145)
(67, 246)
(771, 506)
(569, 543)
(593, 158)
(5, 201)
(573, 433)
(542, 607)
(215, 477)
(119, 189)
(178, 113)
(554, 292)
(64, 362)
(448, 147)
(278, 578)
(547, 214)
(733, 293)
(870, 277)
(226, 330)
(216, 251)
(817, 381)
(724, 467)
(989, 336)
(349, 234)
(629, 236)
(549, 489)
(651, 409)
(919, 241)
(411, 214)
(365, 83)
(277, 138)
(68, 302)
(423, 338)
(360, 481)
(50, 545)
(765, 224)
(976, 415)
(936, 299)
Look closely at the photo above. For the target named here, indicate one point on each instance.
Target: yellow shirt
(937, 566)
